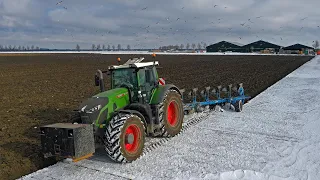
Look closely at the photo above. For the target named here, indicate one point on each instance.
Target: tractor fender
(144, 109)
(160, 92)
(131, 111)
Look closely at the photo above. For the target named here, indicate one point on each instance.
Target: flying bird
(64, 7)
(304, 18)
(301, 28)
(182, 8)
(215, 5)
(243, 24)
(178, 19)
(144, 8)
(59, 2)
(259, 17)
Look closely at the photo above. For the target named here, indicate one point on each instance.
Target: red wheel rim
(172, 113)
(132, 145)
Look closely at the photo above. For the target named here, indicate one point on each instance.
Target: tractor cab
(140, 78)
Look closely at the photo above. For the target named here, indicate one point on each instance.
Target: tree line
(19, 48)
(188, 46)
(103, 47)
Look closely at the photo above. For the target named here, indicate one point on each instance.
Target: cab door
(147, 81)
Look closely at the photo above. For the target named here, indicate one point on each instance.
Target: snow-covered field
(144, 52)
(276, 137)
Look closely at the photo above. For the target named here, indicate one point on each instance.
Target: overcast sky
(149, 23)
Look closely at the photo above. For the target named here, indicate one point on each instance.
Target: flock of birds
(162, 33)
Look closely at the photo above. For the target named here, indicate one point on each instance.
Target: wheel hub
(129, 138)
(172, 113)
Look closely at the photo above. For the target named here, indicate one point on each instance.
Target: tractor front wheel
(125, 137)
(171, 114)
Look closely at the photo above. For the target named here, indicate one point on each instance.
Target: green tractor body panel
(118, 99)
(99, 108)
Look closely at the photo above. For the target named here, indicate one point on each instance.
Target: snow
(146, 53)
(275, 137)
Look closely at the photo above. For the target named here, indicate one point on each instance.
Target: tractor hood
(96, 107)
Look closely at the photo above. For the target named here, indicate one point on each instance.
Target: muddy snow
(276, 137)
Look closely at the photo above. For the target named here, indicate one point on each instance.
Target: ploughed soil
(42, 89)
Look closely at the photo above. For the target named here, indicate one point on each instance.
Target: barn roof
(261, 44)
(225, 44)
(297, 47)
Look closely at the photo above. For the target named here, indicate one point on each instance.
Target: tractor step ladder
(134, 60)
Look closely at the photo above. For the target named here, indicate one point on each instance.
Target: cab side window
(150, 77)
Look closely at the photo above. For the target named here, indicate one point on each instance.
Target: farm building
(224, 46)
(298, 49)
(260, 46)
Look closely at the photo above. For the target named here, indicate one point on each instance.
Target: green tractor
(136, 106)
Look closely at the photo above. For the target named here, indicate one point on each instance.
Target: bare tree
(113, 47)
(78, 47)
(23, 48)
(204, 45)
(14, 48)
(93, 47)
(1, 47)
(128, 47)
(109, 47)
(37, 48)
(10, 47)
(19, 48)
(119, 47)
(193, 46)
(199, 46)
(181, 46)
(98, 47)
(103, 47)
(28, 48)
(188, 46)
(316, 44)
(32, 47)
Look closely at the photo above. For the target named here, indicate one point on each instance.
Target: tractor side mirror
(97, 80)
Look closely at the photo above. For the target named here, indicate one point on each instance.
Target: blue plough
(197, 106)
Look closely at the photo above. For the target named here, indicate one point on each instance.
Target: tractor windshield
(124, 76)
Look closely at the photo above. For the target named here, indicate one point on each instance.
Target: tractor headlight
(96, 108)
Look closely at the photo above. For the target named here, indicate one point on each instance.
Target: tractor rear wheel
(125, 137)
(171, 114)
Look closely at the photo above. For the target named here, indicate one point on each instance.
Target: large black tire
(171, 114)
(124, 138)
(238, 106)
